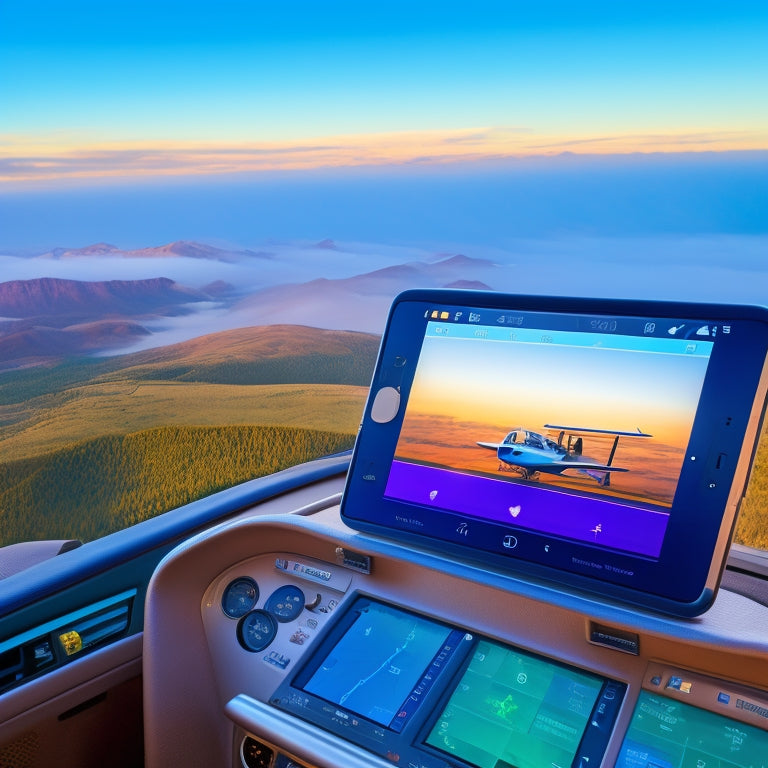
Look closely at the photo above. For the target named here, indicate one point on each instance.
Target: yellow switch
(71, 642)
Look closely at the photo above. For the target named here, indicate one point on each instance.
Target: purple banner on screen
(599, 522)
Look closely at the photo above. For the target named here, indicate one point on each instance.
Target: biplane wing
(579, 431)
(583, 465)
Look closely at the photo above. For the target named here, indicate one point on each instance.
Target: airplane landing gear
(526, 474)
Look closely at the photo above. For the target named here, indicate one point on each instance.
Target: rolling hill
(275, 375)
(262, 355)
(89, 446)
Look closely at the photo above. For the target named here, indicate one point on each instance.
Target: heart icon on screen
(432, 495)
(514, 511)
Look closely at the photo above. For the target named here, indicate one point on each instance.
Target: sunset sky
(96, 93)
(586, 385)
(95, 88)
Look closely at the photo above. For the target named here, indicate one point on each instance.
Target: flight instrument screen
(665, 733)
(405, 686)
(514, 709)
(378, 662)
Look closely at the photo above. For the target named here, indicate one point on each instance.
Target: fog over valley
(184, 289)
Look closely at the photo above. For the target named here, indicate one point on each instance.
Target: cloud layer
(55, 158)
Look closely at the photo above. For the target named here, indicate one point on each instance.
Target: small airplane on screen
(529, 453)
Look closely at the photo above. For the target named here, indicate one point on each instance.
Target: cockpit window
(534, 440)
(204, 217)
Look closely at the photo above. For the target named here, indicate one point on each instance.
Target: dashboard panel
(308, 687)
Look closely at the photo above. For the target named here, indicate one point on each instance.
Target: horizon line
(25, 161)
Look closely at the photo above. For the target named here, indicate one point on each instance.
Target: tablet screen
(511, 425)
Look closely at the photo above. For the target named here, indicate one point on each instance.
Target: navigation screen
(378, 662)
(665, 733)
(508, 423)
(514, 710)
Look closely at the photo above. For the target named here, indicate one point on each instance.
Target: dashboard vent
(618, 639)
(50, 645)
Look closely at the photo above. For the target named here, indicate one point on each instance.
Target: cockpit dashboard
(346, 650)
(391, 625)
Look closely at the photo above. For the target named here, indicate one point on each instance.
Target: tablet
(604, 445)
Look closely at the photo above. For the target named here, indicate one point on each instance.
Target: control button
(314, 602)
(71, 642)
(277, 659)
(299, 637)
(510, 541)
(385, 406)
(678, 684)
(43, 654)
(722, 461)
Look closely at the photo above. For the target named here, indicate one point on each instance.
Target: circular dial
(255, 754)
(285, 603)
(256, 630)
(239, 597)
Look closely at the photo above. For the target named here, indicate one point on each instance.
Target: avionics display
(379, 661)
(595, 442)
(513, 709)
(665, 733)
(398, 683)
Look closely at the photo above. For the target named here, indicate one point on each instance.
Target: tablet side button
(385, 405)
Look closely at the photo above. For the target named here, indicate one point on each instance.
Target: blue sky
(506, 75)
(170, 115)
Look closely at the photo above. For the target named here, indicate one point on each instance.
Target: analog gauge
(256, 630)
(285, 603)
(239, 597)
(255, 754)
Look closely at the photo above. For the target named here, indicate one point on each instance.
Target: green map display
(511, 709)
(665, 733)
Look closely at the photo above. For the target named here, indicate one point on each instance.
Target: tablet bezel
(683, 580)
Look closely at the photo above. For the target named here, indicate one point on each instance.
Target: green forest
(752, 526)
(103, 485)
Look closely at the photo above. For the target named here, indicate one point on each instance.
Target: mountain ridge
(256, 343)
(188, 249)
(50, 296)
